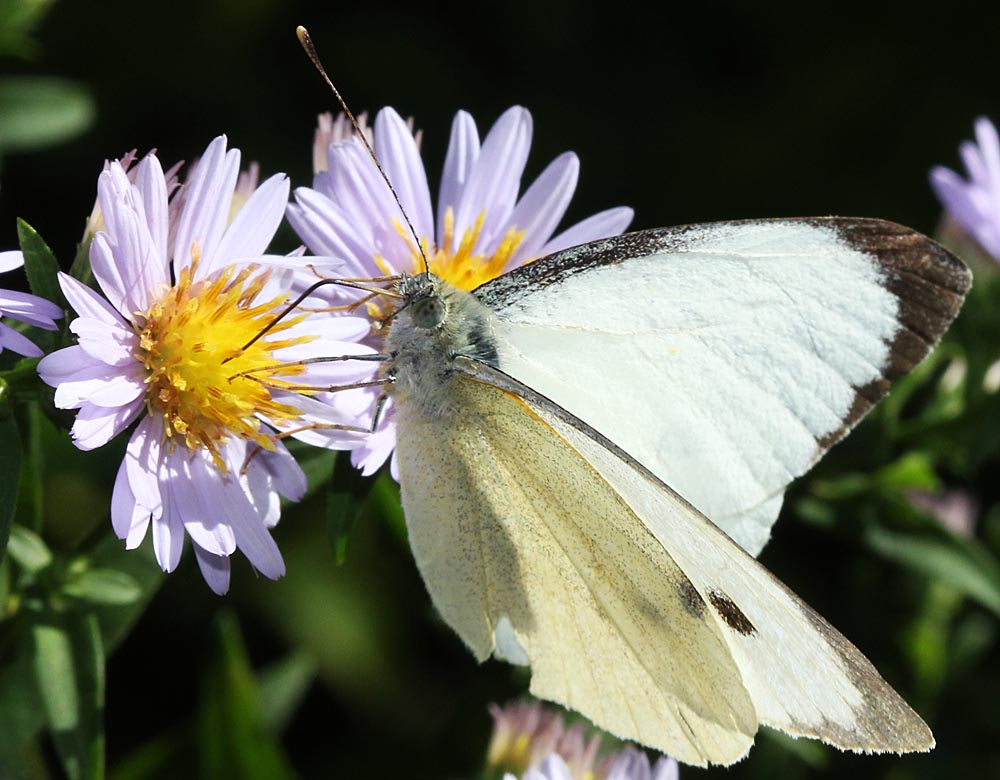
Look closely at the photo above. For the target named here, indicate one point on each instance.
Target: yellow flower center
(462, 267)
(201, 380)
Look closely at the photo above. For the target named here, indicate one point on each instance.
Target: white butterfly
(566, 431)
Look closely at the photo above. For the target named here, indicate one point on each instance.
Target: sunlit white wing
(526, 551)
(727, 357)
(802, 676)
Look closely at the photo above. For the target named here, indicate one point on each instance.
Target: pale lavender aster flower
(532, 742)
(169, 346)
(975, 202)
(23, 307)
(482, 227)
(633, 764)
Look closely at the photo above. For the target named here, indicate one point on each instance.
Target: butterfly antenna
(306, 40)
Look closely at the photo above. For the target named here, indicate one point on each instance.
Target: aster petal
(629, 764)
(17, 342)
(144, 465)
(540, 209)
(29, 308)
(10, 260)
(400, 158)
(128, 518)
(258, 485)
(611, 222)
(125, 260)
(85, 380)
(168, 532)
(553, 767)
(254, 225)
(665, 769)
(207, 202)
(202, 500)
(324, 228)
(358, 189)
(496, 175)
(215, 570)
(288, 476)
(989, 149)
(376, 449)
(960, 200)
(63, 364)
(111, 346)
(86, 302)
(257, 545)
(463, 150)
(152, 187)
(317, 413)
(96, 425)
(974, 163)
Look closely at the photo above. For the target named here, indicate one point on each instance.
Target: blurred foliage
(342, 669)
(36, 111)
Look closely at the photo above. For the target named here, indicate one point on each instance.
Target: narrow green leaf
(28, 550)
(344, 501)
(104, 586)
(140, 565)
(913, 471)
(232, 740)
(10, 468)
(40, 265)
(69, 672)
(21, 715)
(283, 685)
(38, 111)
(80, 269)
(963, 564)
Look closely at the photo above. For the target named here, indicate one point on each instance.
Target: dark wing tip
(929, 283)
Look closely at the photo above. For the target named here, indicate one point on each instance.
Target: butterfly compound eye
(429, 312)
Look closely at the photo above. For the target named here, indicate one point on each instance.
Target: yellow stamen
(191, 342)
(463, 267)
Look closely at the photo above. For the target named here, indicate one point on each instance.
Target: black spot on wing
(732, 614)
(691, 598)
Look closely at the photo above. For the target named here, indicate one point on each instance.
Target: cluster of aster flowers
(196, 341)
(533, 742)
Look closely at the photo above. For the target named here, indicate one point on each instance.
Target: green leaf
(69, 672)
(140, 565)
(283, 686)
(40, 264)
(232, 739)
(104, 586)
(39, 111)
(21, 716)
(964, 564)
(80, 269)
(10, 468)
(344, 502)
(913, 471)
(28, 550)
(18, 18)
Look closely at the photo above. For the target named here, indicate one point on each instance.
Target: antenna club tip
(302, 33)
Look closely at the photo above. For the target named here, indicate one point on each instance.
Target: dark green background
(690, 112)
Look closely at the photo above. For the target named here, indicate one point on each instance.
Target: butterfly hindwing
(802, 676)
(528, 553)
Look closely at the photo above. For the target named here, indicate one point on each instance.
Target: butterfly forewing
(727, 357)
